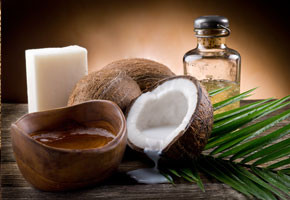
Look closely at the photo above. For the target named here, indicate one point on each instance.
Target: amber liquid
(76, 136)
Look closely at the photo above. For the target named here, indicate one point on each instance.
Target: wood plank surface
(119, 186)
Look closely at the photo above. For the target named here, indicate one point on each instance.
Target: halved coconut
(174, 117)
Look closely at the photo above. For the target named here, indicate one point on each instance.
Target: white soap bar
(52, 74)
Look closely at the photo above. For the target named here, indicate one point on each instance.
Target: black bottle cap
(211, 21)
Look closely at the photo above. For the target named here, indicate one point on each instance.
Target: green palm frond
(249, 132)
(253, 145)
(224, 126)
(217, 91)
(241, 156)
(231, 100)
(233, 112)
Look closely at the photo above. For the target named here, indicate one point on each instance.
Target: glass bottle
(212, 62)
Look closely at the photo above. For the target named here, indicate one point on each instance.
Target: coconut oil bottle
(212, 62)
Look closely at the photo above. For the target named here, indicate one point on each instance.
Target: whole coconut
(118, 88)
(120, 81)
(145, 72)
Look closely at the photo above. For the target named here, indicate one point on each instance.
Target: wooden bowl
(55, 169)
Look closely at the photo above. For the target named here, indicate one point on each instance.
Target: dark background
(158, 30)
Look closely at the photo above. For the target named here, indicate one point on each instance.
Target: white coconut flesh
(159, 116)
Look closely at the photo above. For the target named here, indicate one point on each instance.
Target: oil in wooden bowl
(77, 136)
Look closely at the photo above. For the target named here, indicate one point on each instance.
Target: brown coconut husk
(145, 72)
(120, 81)
(118, 88)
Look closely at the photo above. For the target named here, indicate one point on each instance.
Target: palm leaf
(285, 171)
(260, 182)
(217, 91)
(192, 173)
(214, 170)
(229, 139)
(198, 179)
(279, 164)
(255, 189)
(174, 172)
(271, 179)
(258, 128)
(235, 111)
(273, 156)
(278, 178)
(230, 124)
(235, 176)
(233, 99)
(253, 145)
(168, 177)
(189, 174)
(267, 151)
(284, 177)
(246, 133)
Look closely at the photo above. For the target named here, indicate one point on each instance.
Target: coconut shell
(191, 141)
(145, 72)
(118, 88)
(120, 81)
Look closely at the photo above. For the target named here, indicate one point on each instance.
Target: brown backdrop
(158, 30)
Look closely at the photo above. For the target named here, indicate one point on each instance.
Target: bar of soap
(52, 74)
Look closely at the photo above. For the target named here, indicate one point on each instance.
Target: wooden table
(119, 186)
